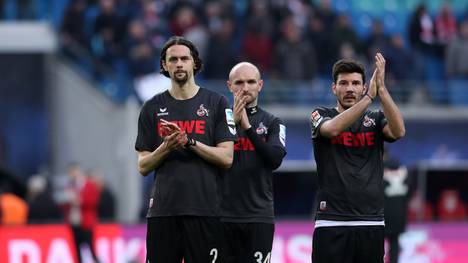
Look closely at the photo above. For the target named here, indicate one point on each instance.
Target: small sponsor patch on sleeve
(230, 121)
(316, 118)
(229, 117)
(282, 134)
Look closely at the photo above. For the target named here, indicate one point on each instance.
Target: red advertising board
(436, 243)
(35, 244)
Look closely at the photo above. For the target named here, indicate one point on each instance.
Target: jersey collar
(251, 111)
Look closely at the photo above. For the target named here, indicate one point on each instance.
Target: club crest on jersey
(316, 118)
(163, 112)
(368, 121)
(202, 111)
(262, 129)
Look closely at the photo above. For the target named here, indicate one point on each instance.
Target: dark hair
(178, 40)
(348, 66)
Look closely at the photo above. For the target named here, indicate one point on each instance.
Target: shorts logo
(163, 112)
(230, 121)
(316, 118)
(282, 134)
(368, 122)
(202, 111)
(150, 203)
(262, 129)
(323, 205)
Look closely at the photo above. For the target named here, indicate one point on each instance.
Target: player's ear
(260, 84)
(334, 88)
(229, 86)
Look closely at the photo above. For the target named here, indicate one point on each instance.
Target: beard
(346, 105)
(249, 97)
(181, 80)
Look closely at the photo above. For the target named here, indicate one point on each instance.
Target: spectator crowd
(292, 40)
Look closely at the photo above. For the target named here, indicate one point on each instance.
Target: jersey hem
(332, 223)
(266, 220)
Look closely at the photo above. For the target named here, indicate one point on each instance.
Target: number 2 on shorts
(214, 253)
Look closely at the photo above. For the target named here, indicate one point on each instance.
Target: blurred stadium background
(75, 72)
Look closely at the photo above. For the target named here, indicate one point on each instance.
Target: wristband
(190, 142)
(372, 100)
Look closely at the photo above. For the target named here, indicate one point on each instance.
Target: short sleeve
(146, 137)
(317, 118)
(225, 126)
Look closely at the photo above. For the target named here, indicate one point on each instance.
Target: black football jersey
(350, 168)
(248, 184)
(185, 183)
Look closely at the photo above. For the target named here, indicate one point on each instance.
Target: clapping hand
(380, 67)
(174, 137)
(239, 106)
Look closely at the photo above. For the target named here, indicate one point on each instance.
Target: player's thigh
(260, 241)
(202, 240)
(370, 244)
(233, 242)
(333, 245)
(164, 240)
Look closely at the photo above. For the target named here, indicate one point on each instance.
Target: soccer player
(185, 135)
(247, 207)
(348, 146)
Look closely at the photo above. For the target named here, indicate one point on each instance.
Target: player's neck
(184, 92)
(252, 104)
(340, 107)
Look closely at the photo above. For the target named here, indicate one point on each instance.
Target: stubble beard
(345, 106)
(181, 81)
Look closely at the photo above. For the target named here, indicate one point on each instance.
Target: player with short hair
(348, 146)
(247, 207)
(185, 135)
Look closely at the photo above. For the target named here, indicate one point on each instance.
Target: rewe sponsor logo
(350, 139)
(244, 144)
(189, 127)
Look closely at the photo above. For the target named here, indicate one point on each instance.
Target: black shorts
(348, 244)
(192, 238)
(248, 242)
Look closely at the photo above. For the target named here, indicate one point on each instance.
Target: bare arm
(333, 127)
(148, 161)
(221, 155)
(395, 127)
(343, 120)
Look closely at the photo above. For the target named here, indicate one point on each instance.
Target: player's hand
(380, 66)
(175, 141)
(168, 128)
(372, 90)
(239, 106)
(245, 124)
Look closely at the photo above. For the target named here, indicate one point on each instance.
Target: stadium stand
(96, 42)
